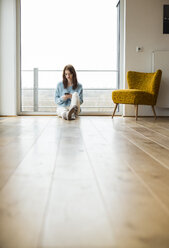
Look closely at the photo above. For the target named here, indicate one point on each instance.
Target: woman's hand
(65, 97)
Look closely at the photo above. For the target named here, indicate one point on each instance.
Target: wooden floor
(89, 183)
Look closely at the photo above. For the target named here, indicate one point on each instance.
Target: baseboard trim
(146, 116)
(8, 115)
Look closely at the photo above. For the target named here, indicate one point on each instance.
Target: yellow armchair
(143, 90)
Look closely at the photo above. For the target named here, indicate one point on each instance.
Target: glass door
(59, 32)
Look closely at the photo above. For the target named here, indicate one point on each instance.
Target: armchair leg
(136, 107)
(115, 110)
(154, 112)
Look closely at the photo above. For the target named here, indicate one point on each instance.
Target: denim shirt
(60, 91)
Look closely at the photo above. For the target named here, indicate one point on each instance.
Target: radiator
(160, 60)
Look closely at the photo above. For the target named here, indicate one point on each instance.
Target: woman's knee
(75, 94)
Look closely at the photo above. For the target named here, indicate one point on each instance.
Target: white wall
(144, 27)
(7, 57)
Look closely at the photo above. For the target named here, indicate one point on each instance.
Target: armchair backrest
(149, 82)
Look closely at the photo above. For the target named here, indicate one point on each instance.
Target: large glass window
(59, 32)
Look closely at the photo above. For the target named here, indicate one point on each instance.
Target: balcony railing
(38, 89)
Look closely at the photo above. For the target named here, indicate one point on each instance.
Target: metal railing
(36, 89)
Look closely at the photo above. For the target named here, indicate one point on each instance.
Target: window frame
(19, 68)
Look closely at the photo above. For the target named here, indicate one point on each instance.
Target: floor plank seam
(25, 155)
(148, 128)
(155, 160)
(120, 131)
(97, 183)
(145, 185)
(161, 163)
(143, 149)
(78, 246)
(158, 125)
(39, 245)
(165, 147)
(163, 206)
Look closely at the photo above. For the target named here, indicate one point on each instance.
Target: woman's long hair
(74, 78)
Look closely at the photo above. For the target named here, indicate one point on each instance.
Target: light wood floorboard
(95, 182)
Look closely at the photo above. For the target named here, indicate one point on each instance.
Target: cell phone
(66, 93)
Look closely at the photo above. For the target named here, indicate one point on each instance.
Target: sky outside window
(59, 32)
